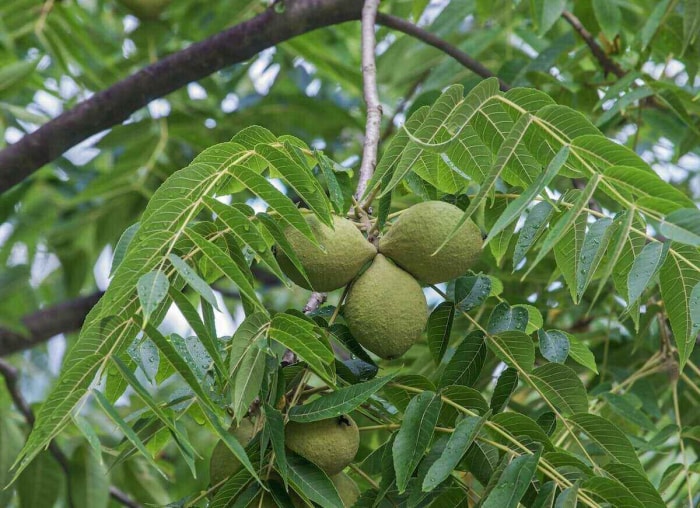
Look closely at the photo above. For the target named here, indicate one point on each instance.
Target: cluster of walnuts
(385, 310)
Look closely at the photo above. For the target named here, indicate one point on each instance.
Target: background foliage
(563, 367)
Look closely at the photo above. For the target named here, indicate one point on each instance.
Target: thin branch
(609, 66)
(371, 95)
(315, 301)
(11, 376)
(48, 322)
(415, 31)
(116, 103)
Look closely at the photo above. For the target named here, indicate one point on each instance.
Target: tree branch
(371, 95)
(415, 31)
(609, 66)
(11, 376)
(48, 322)
(115, 104)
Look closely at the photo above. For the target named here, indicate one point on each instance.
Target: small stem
(676, 410)
(364, 475)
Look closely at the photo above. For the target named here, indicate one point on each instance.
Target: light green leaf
(607, 437)
(274, 426)
(248, 379)
(515, 348)
(568, 497)
(41, 483)
(518, 424)
(609, 17)
(224, 263)
(691, 22)
(340, 402)
(644, 269)
(465, 365)
(122, 246)
(312, 482)
(546, 13)
(568, 253)
(561, 387)
(683, 226)
(554, 345)
(306, 340)
(414, 436)
(580, 353)
(678, 277)
(460, 440)
(439, 328)
(535, 224)
(193, 279)
(594, 245)
(513, 482)
(517, 206)
(152, 289)
(89, 479)
(611, 491)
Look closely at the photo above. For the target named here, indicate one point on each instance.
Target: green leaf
(565, 221)
(122, 246)
(340, 402)
(224, 263)
(465, 365)
(505, 386)
(620, 230)
(513, 482)
(561, 387)
(504, 318)
(312, 482)
(519, 204)
(545, 496)
(439, 328)
(568, 497)
(248, 379)
(231, 489)
(627, 410)
(611, 491)
(517, 424)
(546, 13)
(594, 245)
(243, 228)
(334, 190)
(515, 348)
(281, 242)
(554, 345)
(535, 224)
(460, 440)
(89, 479)
(644, 269)
(152, 289)
(678, 277)
(609, 17)
(41, 482)
(637, 184)
(471, 291)
(413, 438)
(691, 22)
(683, 226)
(274, 426)
(568, 253)
(306, 340)
(580, 353)
(607, 437)
(194, 280)
(128, 432)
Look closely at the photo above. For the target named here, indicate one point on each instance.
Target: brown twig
(48, 322)
(608, 65)
(11, 376)
(315, 301)
(371, 96)
(415, 31)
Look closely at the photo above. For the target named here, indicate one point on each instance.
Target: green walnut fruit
(146, 9)
(347, 488)
(331, 444)
(420, 230)
(223, 462)
(386, 309)
(347, 251)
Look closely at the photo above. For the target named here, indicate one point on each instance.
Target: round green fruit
(223, 462)
(347, 488)
(385, 309)
(331, 444)
(146, 9)
(346, 252)
(420, 230)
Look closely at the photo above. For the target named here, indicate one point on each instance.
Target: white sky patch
(13, 134)
(159, 108)
(68, 88)
(49, 103)
(84, 151)
(131, 23)
(102, 268)
(518, 43)
(225, 323)
(196, 91)
(43, 265)
(210, 123)
(313, 88)
(19, 255)
(128, 48)
(55, 349)
(262, 74)
(230, 103)
(6, 230)
(307, 66)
